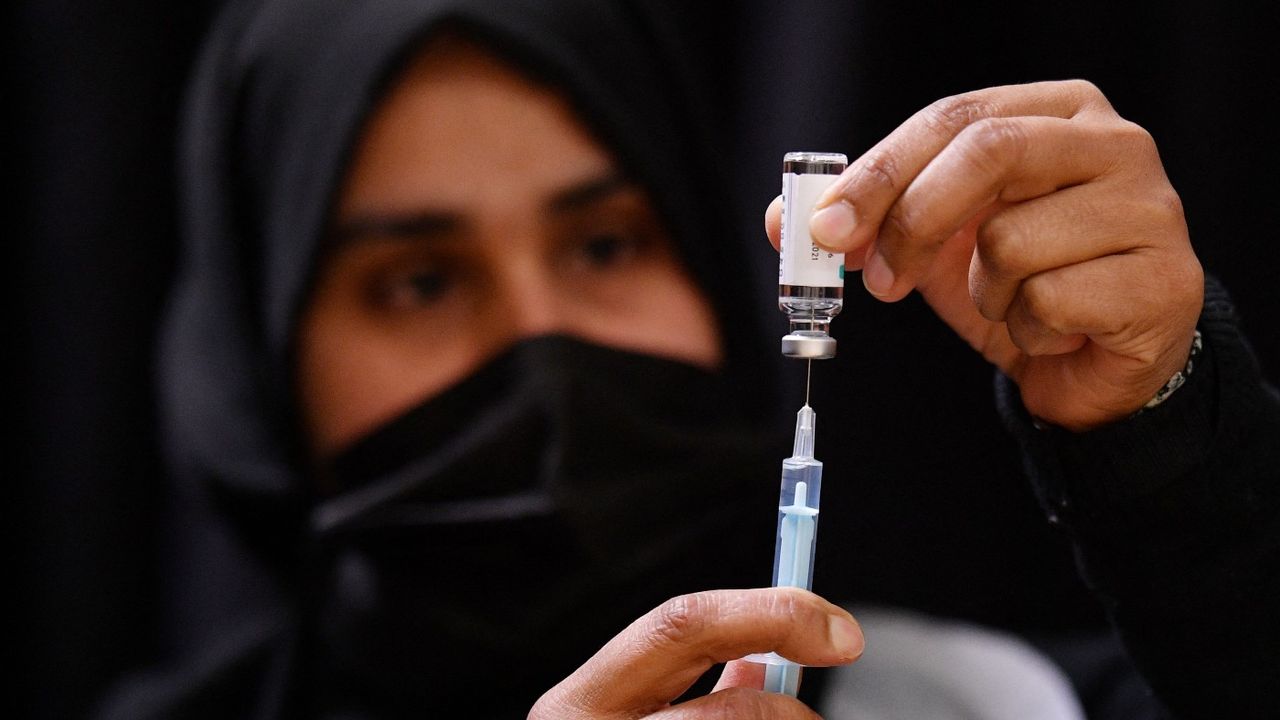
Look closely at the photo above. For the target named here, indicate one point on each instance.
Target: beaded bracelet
(1179, 377)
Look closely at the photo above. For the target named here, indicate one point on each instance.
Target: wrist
(1179, 378)
(1127, 410)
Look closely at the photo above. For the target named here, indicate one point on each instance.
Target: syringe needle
(808, 373)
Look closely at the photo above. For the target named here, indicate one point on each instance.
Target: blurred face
(478, 212)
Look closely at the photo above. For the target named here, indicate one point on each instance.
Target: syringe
(797, 534)
(811, 293)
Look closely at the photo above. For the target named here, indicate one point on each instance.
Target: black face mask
(499, 534)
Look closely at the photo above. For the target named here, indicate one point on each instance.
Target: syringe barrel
(797, 522)
(797, 535)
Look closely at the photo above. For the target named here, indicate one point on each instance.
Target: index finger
(662, 654)
(849, 214)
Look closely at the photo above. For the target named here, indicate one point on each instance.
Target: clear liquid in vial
(810, 309)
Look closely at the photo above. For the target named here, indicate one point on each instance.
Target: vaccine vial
(810, 279)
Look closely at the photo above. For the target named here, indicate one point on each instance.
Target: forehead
(461, 129)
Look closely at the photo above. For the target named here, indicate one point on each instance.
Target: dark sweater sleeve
(1175, 517)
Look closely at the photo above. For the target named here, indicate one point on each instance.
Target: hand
(658, 657)
(1041, 227)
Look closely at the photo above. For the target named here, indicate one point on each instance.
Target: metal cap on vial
(815, 346)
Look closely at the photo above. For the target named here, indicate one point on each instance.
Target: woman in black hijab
(401, 486)
(446, 405)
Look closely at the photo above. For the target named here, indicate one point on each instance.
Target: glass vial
(810, 279)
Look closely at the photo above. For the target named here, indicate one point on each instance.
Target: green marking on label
(842, 271)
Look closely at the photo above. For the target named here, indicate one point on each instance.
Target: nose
(531, 302)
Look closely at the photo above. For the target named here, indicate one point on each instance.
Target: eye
(608, 250)
(418, 287)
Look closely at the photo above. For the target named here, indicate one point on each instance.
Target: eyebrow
(433, 223)
(589, 191)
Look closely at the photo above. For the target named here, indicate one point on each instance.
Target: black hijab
(277, 103)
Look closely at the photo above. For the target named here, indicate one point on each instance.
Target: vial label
(801, 261)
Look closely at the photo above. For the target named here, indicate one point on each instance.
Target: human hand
(658, 657)
(1041, 227)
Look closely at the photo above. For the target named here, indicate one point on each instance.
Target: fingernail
(832, 225)
(846, 638)
(877, 278)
